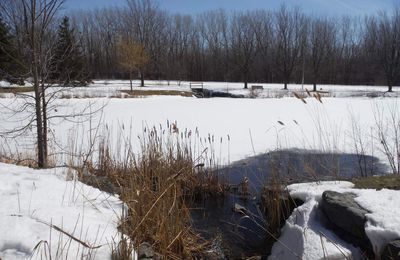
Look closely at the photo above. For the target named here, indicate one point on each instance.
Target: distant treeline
(285, 45)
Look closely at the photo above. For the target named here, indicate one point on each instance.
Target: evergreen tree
(6, 52)
(68, 61)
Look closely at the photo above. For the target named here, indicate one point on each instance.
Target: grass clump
(158, 186)
(378, 182)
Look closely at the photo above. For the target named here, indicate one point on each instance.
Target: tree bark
(39, 121)
(130, 80)
(44, 130)
(141, 79)
(37, 89)
(246, 79)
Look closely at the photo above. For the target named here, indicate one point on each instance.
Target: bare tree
(383, 36)
(213, 27)
(262, 25)
(213, 45)
(32, 20)
(321, 39)
(348, 48)
(177, 40)
(243, 44)
(146, 22)
(290, 39)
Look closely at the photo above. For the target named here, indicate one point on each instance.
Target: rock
(146, 252)
(344, 213)
(391, 251)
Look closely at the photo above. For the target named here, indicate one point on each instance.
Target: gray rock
(146, 252)
(347, 216)
(391, 251)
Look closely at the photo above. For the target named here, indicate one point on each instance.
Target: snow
(253, 125)
(383, 223)
(303, 230)
(4, 84)
(34, 200)
(112, 88)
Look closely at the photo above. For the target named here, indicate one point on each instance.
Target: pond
(236, 223)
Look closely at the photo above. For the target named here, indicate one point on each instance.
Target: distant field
(15, 89)
(378, 182)
(141, 93)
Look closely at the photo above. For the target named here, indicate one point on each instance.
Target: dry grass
(378, 182)
(15, 90)
(143, 93)
(158, 186)
(31, 163)
(276, 208)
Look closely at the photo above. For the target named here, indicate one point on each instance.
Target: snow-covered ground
(306, 238)
(240, 127)
(46, 214)
(111, 88)
(232, 128)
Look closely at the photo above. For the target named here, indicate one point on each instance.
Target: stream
(235, 222)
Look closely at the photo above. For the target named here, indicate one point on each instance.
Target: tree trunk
(315, 77)
(141, 79)
(130, 80)
(44, 130)
(246, 77)
(390, 83)
(37, 89)
(39, 118)
(285, 85)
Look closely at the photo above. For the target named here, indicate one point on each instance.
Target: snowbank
(34, 200)
(4, 84)
(383, 223)
(304, 234)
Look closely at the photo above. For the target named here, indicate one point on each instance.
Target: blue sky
(319, 7)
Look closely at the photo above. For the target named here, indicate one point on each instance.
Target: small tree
(68, 62)
(36, 41)
(132, 57)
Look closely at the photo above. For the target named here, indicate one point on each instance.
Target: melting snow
(34, 200)
(305, 237)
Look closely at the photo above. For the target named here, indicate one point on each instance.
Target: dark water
(243, 234)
